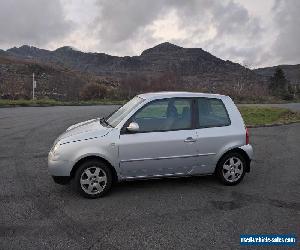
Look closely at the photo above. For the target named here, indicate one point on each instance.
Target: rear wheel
(231, 168)
(93, 179)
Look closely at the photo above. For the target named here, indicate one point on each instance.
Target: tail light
(247, 136)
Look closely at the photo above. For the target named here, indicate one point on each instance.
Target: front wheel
(93, 179)
(231, 168)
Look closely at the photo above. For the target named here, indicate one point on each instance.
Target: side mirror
(133, 127)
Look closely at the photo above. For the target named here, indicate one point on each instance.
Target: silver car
(154, 135)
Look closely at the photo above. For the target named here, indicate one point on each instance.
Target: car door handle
(190, 139)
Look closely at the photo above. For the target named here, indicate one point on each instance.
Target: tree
(92, 91)
(132, 85)
(279, 85)
(168, 81)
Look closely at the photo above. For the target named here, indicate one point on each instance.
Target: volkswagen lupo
(155, 135)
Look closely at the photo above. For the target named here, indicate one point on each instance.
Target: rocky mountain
(292, 72)
(193, 64)
(188, 68)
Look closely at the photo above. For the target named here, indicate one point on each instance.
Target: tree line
(241, 87)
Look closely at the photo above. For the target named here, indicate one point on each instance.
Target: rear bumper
(248, 150)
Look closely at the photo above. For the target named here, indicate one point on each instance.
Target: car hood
(86, 127)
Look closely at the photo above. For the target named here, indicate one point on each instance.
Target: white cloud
(123, 26)
(253, 32)
(32, 22)
(287, 23)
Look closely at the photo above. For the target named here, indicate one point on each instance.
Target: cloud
(127, 26)
(34, 22)
(232, 19)
(287, 23)
(246, 31)
(119, 20)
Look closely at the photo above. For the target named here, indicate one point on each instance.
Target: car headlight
(54, 153)
(55, 148)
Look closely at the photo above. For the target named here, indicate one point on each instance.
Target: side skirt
(176, 175)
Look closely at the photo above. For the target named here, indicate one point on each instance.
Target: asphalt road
(189, 213)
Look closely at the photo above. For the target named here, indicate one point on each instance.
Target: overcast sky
(252, 32)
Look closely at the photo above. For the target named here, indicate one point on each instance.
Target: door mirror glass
(133, 127)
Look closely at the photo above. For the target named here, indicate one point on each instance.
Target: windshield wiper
(103, 121)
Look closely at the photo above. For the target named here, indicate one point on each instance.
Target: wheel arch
(240, 151)
(94, 157)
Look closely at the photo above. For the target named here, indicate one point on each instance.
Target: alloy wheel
(232, 169)
(93, 180)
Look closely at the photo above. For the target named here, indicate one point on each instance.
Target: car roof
(171, 94)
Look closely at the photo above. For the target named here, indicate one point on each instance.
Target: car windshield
(115, 118)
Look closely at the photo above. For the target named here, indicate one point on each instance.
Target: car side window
(155, 110)
(165, 115)
(212, 113)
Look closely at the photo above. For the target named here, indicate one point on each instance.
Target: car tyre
(231, 168)
(93, 179)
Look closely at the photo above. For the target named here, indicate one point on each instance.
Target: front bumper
(62, 180)
(59, 167)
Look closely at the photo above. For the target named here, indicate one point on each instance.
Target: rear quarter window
(212, 113)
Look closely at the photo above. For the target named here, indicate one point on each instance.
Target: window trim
(193, 117)
(108, 116)
(197, 113)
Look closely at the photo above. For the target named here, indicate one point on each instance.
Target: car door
(213, 132)
(165, 142)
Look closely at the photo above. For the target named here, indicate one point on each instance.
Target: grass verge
(49, 102)
(266, 116)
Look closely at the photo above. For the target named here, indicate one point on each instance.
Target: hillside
(292, 72)
(192, 64)
(53, 81)
(163, 67)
